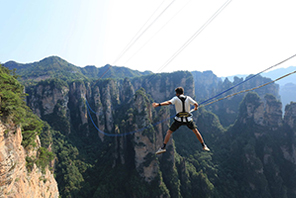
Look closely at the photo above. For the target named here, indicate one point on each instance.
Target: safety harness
(183, 114)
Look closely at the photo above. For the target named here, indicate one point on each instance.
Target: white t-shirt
(179, 106)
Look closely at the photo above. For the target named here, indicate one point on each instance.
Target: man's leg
(166, 139)
(199, 137)
(167, 136)
(173, 128)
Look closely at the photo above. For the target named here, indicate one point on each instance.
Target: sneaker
(160, 150)
(205, 148)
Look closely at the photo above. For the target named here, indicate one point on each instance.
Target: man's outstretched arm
(161, 104)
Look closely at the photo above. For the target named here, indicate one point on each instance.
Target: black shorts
(176, 124)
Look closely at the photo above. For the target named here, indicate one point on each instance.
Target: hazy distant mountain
(288, 93)
(287, 89)
(274, 74)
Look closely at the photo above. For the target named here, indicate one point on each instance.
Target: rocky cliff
(267, 113)
(208, 85)
(262, 148)
(109, 107)
(15, 178)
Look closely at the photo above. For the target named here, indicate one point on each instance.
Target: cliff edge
(15, 179)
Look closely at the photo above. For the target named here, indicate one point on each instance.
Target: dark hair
(179, 90)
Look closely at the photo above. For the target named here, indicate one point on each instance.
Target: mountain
(51, 67)
(104, 134)
(56, 67)
(109, 71)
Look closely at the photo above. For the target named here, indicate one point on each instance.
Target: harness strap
(183, 114)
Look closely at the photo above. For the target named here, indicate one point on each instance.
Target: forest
(102, 133)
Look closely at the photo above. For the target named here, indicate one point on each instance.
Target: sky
(245, 37)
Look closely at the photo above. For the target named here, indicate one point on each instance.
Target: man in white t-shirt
(183, 117)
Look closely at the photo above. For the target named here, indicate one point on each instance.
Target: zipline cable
(138, 37)
(157, 32)
(195, 35)
(89, 108)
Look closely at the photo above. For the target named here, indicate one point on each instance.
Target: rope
(151, 125)
(193, 36)
(247, 90)
(137, 38)
(132, 42)
(134, 38)
(157, 32)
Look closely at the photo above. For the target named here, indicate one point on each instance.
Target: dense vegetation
(246, 158)
(55, 67)
(14, 110)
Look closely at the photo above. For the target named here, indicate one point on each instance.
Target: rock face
(46, 97)
(273, 112)
(208, 85)
(290, 116)
(108, 101)
(266, 113)
(290, 121)
(264, 146)
(15, 180)
(144, 142)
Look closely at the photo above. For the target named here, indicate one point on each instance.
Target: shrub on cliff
(13, 109)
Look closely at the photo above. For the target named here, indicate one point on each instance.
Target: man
(183, 117)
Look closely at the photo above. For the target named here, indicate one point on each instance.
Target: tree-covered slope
(22, 155)
(51, 67)
(56, 67)
(109, 71)
(14, 109)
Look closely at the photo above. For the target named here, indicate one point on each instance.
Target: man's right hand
(155, 104)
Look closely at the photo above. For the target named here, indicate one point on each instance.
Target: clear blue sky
(246, 37)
